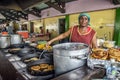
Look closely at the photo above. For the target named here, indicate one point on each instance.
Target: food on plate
(108, 44)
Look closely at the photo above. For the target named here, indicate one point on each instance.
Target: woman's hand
(48, 43)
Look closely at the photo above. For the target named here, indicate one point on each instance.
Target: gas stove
(21, 67)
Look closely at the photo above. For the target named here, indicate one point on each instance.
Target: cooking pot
(69, 56)
(16, 39)
(4, 41)
(39, 72)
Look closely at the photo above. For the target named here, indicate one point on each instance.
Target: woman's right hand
(48, 43)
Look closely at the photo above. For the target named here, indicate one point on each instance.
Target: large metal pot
(4, 41)
(69, 56)
(16, 39)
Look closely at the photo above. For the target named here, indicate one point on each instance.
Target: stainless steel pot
(69, 56)
(4, 41)
(16, 39)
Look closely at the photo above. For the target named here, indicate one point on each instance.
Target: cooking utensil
(28, 58)
(4, 41)
(40, 56)
(16, 39)
(25, 51)
(39, 72)
(14, 50)
(17, 46)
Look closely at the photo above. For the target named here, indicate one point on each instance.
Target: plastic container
(24, 34)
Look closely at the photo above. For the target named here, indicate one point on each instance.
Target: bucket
(69, 56)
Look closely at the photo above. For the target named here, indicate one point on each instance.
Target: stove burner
(13, 58)
(21, 67)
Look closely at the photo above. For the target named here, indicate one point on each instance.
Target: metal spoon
(42, 53)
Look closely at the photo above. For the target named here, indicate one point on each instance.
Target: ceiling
(13, 10)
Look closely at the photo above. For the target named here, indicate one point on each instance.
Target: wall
(37, 24)
(52, 23)
(101, 21)
(80, 6)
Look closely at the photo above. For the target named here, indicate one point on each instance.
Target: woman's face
(83, 21)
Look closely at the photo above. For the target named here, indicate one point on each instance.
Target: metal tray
(93, 63)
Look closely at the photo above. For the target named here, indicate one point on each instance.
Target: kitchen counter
(82, 73)
(7, 70)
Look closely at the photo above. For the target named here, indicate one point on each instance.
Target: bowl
(109, 44)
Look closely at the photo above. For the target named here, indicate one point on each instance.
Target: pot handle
(78, 57)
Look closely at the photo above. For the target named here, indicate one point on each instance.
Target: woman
(81, 33)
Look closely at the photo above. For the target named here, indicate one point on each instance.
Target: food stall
(22, 60)
(14, 62)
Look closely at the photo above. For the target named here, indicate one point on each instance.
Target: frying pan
(17, 46)
(14, 50)
(39, 73)
(25, 51)
(29, 57)
(48, 56)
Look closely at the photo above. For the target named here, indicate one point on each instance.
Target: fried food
(50, 68)
(97, 49)
(111, 53)
(108, 44)
(14, 49)
(42, 67)
(31, 59)
(99, 54)
(43, 47)
(35, 68)
(114, 54)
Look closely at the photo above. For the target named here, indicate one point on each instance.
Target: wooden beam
(31, 12)
(62, 10)
(26, 4)
(13, 5)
